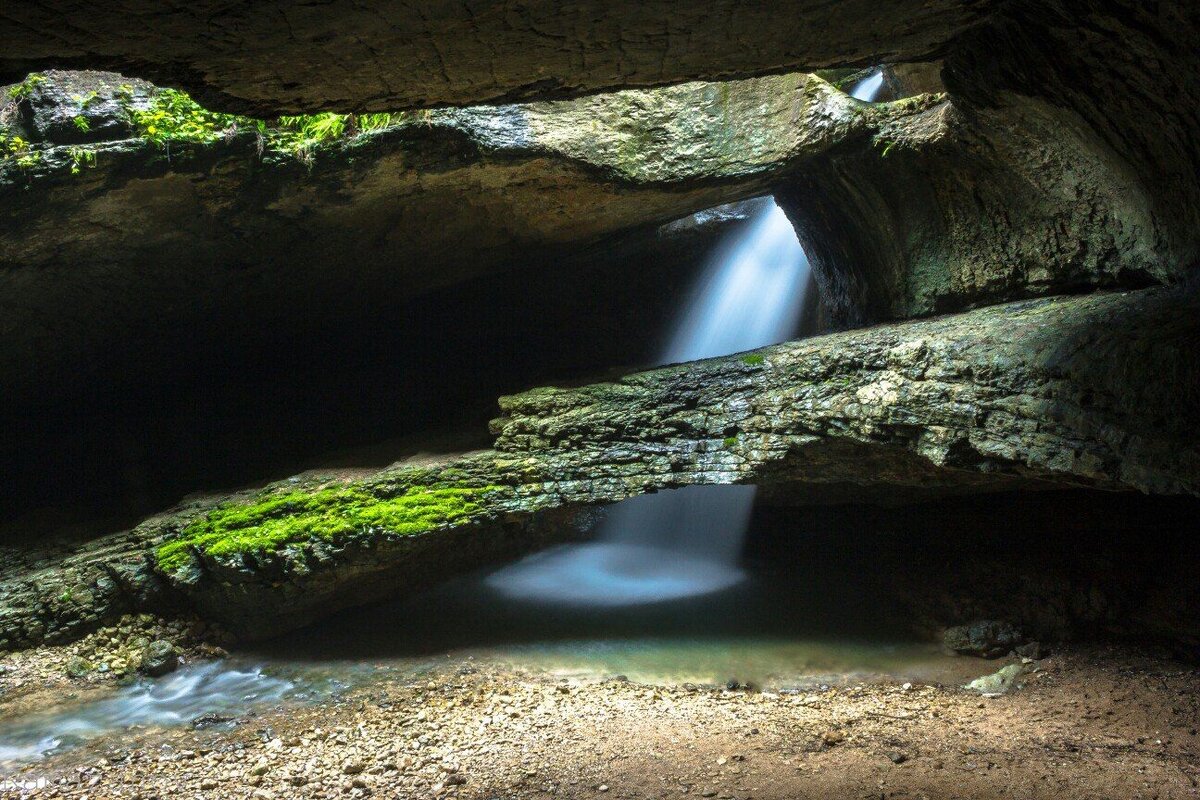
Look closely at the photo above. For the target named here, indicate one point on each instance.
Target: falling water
(658, 547)
(687, 542)
(868, 88)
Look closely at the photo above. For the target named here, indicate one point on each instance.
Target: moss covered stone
(272, 521)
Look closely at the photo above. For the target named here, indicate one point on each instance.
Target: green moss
(754, 359)
(730, 441)
(272, 521)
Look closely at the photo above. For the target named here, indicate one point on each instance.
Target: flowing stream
(211, 688)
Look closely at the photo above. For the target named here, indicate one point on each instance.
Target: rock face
(1089, 391)
(985, 638)
(292, 56)
(1083, 391)
(237, 244)
(1034, 184)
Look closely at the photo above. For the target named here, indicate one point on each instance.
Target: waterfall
(868, 88)
(687, 542)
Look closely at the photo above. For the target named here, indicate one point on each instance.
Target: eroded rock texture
(1065, 159)
(1095, 391)
(237, 244)
(290, 56)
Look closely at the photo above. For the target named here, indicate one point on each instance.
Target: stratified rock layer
(288, 56)
(1095, 391)
(241, 245)
(1090, 391)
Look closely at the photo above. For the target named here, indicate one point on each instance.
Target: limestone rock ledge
(102, 230)
(1095, 391)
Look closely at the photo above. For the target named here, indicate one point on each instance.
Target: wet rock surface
(1061, 392)
(240, 242)
(1026, 391)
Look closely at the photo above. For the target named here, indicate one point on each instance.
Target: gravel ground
(1087, 723)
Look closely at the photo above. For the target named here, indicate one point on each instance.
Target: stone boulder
(984, 638)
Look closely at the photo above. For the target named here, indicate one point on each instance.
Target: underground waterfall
(687, 541)
(604, 414)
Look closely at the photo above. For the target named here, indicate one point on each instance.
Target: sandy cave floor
(1089, 723)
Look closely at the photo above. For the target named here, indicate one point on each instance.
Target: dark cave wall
(229, 408)
(286, 56)
(1067, 162)
(1061, 565)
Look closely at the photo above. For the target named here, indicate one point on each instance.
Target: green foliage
(173, 116)
(25, 88)
(272, 521)
(85, 100)
(754, 359)
(887, 145)
(302, 135)
(82, 157)
(19, 151)
(730, 441)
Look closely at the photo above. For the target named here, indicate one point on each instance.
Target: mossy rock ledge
(1091, 391)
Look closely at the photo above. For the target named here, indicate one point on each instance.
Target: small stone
(1033, 650)
(209, 719)
(896, 757)
(159, 658)
(77, 667)
(998, 683)
(603, 787)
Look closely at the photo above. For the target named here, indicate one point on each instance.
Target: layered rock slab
(236, 242)
(1093, 391)
(289, 56)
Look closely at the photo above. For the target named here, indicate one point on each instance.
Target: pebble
(833, 737)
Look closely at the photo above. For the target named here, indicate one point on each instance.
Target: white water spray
(868, 88)
(685, 542)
